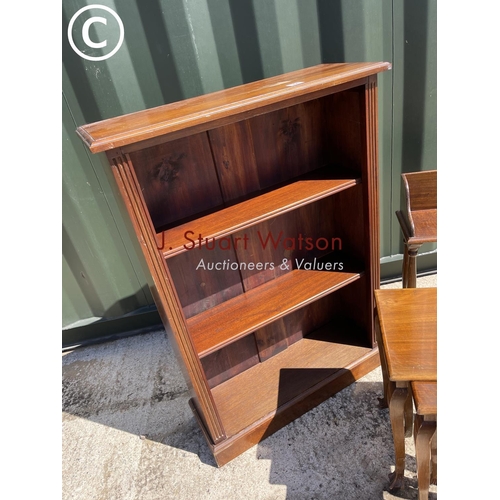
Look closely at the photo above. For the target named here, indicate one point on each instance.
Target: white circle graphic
(85, 33)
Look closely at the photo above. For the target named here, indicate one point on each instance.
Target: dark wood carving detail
(177, 179)
(168, 170)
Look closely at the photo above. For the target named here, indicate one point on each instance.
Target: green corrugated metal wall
(175, 49)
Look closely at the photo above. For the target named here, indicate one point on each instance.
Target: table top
(425, 397)
(408, 327)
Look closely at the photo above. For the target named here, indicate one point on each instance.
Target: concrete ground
(128, 434)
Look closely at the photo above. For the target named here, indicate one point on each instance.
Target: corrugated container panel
(175, 49)
(415, 98)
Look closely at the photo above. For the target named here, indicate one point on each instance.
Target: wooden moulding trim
(372, 190)
(374, 171)
(222, 105)
(131, 194)
(235, 445)
(250, 212)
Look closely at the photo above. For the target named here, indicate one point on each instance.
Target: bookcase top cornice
(219, 108)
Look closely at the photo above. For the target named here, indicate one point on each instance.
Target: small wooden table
(407, 335)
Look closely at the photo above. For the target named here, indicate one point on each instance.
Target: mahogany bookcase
(256, 209)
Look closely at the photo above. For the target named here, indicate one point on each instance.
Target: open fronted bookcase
(256, 209)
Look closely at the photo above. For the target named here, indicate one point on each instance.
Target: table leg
(397, 405)
(424, 433)
(409, 414)
(434, 474)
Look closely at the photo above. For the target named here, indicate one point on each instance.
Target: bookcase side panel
(164, 293)
(353, 129)
(344, 129)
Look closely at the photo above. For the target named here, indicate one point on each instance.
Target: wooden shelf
(249, 213)
(264, 388)
(260, 306)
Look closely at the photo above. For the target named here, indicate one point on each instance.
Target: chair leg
(411, 280)
(405, 266)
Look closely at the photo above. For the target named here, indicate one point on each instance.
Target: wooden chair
(417, 218)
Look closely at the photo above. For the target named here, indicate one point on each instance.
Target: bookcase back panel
(345, 129)
(293, 141)
(203, 278)
(333, 312)
(272, 148)
(289, 142)
(353, 304)
(288, 241)
(274, 338)
(347, 217)
(234, 156)
(279, 335)
(231, 360)
(177, 179)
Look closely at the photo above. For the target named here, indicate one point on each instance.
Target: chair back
(420, 189)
